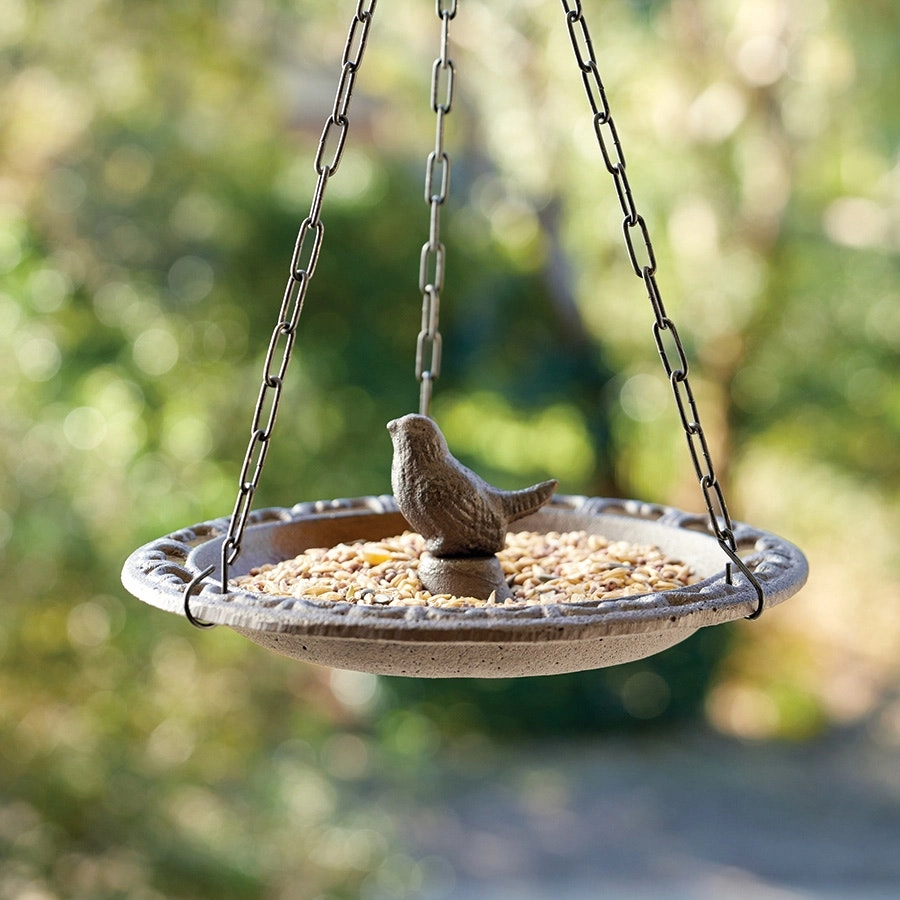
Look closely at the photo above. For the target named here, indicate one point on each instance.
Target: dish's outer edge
(159, 572)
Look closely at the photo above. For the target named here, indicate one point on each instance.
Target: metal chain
(437, 184)
(643, 262)
(431, 277)
(302, 268)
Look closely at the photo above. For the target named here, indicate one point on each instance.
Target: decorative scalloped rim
(158, 573)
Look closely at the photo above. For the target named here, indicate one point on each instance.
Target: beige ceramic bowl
(482, 642)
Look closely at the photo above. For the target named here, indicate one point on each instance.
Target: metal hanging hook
(190, 589)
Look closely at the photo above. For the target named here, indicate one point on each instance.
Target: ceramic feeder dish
(742, 570)
(481, 642)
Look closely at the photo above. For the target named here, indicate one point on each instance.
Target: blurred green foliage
(155, 161)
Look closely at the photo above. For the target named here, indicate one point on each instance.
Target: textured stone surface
(467, 659)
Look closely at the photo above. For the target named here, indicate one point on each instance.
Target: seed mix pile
(541, 567)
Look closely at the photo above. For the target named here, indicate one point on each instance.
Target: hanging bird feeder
(476, 618)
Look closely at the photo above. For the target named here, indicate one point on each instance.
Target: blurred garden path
(686, 816)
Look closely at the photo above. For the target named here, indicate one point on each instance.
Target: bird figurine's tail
(518, 504)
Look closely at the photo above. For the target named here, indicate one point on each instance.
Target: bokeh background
(155, 163)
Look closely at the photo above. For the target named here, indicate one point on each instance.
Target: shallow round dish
(484, 642)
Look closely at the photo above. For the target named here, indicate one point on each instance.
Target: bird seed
(540, 568)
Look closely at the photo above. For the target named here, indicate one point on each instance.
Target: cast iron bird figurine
(457, 512)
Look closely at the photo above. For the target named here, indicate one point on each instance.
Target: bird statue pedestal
(462, 518)
(473, 576)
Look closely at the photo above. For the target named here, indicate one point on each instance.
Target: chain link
(643, 262)
(302, 268)
(437, 185)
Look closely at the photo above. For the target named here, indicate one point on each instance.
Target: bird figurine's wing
(470, 522)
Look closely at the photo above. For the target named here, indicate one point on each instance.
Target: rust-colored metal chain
(643, 261)
(437, 184)
(302, 268)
